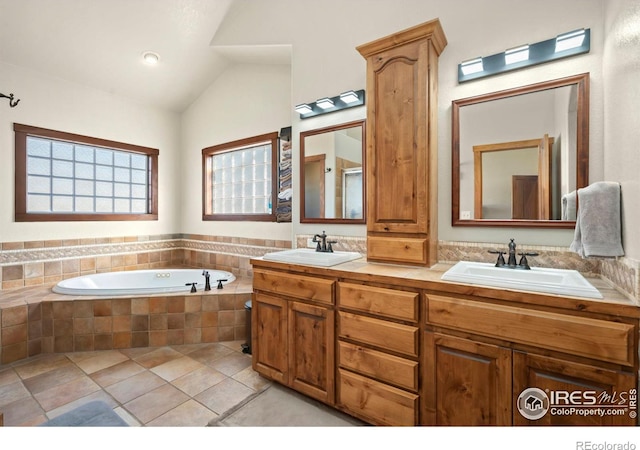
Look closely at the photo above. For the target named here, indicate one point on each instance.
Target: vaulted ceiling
(99, 43)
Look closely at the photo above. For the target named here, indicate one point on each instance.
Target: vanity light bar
(472, 66)
(570, 40)
(517, 54)
(347, 99)
(303, 108)
(562, 46)
(324, 103)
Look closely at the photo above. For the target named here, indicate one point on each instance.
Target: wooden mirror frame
(303, 135)
(582, 149)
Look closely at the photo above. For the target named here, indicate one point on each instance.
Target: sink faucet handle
(523, 260)
(329, 247)
(500, 262)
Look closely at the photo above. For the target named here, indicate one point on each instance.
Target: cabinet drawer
(294, 285)
(591, 338)
(381, 333)
(381, 403)
(382, 366)
(385, 302)
(394, 249)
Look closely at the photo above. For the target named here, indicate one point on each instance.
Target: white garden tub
(141, 282)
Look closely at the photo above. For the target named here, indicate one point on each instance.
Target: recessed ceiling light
(151, 58)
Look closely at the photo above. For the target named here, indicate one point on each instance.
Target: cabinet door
(397, 139)
(575, 393)
(311, 351)
(269, 336)
(466, 383)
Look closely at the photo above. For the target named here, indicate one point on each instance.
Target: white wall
(56, 104)
(325, 62)
(622, 99)
(246, 100)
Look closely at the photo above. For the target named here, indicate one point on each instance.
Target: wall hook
(12, 103)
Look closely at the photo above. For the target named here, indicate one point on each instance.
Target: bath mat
(92, 414)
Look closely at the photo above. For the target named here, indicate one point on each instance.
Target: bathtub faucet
(207, 284)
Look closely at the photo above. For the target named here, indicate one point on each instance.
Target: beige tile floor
(183, 385)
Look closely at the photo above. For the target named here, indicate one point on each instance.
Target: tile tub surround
(35, 320)
(36, 263)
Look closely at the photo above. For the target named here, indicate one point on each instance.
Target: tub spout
(207, 284)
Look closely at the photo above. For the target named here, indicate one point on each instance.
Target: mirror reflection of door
(524, 196)
(314, 169)
(333, 192)
(513, 180)
(352, 193)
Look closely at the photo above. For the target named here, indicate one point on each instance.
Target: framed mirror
(519, 155)
(331, 174)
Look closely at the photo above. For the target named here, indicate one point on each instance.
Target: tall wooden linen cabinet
(401, 153)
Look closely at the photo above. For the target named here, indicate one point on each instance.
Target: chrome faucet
(323, 245)
(511, 259)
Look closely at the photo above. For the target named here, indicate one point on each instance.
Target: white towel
(569, 206)
(286, 194)
(598, 229)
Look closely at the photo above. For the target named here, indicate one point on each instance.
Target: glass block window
(239, 179)
(82, 178)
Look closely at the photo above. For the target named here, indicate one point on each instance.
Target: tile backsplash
(35, 263)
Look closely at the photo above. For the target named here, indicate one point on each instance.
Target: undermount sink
(538, 279)
(307, 256)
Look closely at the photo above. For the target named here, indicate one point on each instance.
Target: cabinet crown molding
(431, 29)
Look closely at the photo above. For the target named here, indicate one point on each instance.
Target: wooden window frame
(21, 215)
(207, 200)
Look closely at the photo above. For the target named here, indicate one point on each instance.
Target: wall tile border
(35, 263)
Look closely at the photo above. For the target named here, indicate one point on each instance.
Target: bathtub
(141, 282)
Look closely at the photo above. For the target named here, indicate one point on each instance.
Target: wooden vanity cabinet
(378, 351)
(553, 374)
(467, 380)
(398, 355)
(401, 144)
(292, 320)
